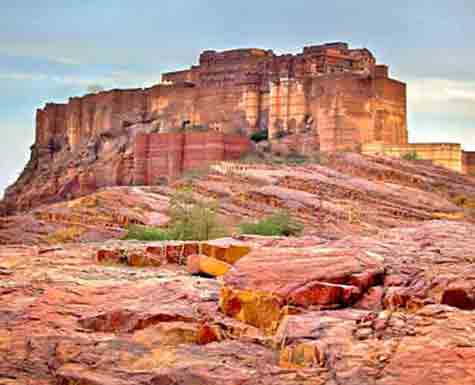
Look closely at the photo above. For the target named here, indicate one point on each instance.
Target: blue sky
(50, 50)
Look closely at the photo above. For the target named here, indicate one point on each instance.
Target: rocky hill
(380, 288)
(336, 195)
(337, 95)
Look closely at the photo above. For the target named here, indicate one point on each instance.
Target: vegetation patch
(294, 158)
(259, 136)
(279, 224)
(147, 234)
(191, 220)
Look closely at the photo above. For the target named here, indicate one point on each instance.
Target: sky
(51, 50)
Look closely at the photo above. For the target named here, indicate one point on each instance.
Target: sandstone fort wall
(327, 97)
(166, 156)
(336, 92)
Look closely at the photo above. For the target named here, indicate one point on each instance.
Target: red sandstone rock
(268, 279)
(376, 292)
(67, 319)
(372, 299)
(202, 264)
(350, 194)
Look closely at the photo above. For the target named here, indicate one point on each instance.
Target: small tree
(279, 224)
(259, 136)
(193, 219)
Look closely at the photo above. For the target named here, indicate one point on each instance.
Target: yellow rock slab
(224, 250)
(197, 264)
(260, 309)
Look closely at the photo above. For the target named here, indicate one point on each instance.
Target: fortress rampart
(327, 98)
(339, 94)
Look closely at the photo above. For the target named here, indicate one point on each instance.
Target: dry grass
(64, 235)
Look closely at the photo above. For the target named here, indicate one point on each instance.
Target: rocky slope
(343, 194)
(380, 289)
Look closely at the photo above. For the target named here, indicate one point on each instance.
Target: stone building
(339, 94)
(326, 98)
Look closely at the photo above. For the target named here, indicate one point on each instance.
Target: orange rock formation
(336, 92)
(339, 94)
(327, 98)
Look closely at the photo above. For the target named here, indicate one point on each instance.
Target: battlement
(259, 66)
(211, 57)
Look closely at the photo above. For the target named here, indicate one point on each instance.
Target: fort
(329, 96)
(337, 93)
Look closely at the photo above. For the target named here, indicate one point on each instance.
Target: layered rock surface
(343, 194)
(396, 308)
(380, 289)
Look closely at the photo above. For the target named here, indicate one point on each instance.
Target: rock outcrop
(69, 317)
(339, 195)
(378, 290)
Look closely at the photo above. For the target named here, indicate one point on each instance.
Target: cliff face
(79, 146)
(336, 97)
(66, 165)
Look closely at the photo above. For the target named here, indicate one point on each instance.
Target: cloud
(66, 61)
(22, 76)
(442, 96)
(121, 79)
(442, 110)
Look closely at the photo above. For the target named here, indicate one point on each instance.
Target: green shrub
(279, 224)
(147, 234)
(191, 219)
(412, 155)
(259, 136)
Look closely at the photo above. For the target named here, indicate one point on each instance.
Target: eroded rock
(265, 281)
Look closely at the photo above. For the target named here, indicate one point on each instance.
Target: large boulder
(268, 281)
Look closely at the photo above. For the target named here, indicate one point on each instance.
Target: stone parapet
(448, 155)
